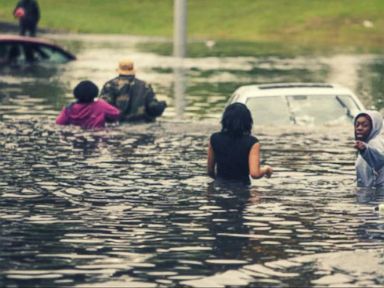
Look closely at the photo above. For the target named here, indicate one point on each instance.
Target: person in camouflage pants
(133, 97)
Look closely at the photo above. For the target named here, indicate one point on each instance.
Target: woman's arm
(63, 118)
(254, 164)
(373, 156)
(111, 112)
(211, 162)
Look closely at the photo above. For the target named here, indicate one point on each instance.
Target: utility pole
(179, 52)
(180, 28)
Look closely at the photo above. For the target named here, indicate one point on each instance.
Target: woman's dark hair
(85, 91)
(237, 120)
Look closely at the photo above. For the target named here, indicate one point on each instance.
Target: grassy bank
(347, 25)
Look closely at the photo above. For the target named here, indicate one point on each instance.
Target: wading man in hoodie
(86, 112)
(370, 146)
(28, 13)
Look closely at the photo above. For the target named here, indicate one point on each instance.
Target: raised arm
(254, 164)
(111, 112)
(373, 156)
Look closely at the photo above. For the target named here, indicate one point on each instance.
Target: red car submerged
(21, 49)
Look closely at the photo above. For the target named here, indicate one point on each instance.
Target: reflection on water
(179, 89)
(132, 205)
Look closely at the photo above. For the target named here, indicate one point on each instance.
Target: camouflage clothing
(133, 97)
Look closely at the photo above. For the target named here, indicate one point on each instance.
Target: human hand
(268, 171)
(360, 145)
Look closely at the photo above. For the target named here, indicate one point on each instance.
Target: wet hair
(85, 91)
(237, 120)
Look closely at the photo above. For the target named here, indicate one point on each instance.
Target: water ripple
(133, 206)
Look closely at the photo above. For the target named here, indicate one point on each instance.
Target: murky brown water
(131, 206)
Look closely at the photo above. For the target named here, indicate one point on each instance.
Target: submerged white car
(298, 103)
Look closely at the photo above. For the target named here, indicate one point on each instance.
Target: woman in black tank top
(233, 153)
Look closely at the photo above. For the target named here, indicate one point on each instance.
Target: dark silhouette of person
(28, 13)
(13, 54)
(30, 55)
(233, 153)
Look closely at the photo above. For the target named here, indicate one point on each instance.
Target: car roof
(25, 39)
(276, 89)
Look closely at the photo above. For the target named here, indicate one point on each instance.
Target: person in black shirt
(28, 12)
(233, 153)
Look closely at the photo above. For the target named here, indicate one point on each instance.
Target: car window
(37, 52)
(19, 53)
(11, 53)
(3, 53)
(271, 110)
(349, 103)
(31, 54)
(52, 54)
(321, 109)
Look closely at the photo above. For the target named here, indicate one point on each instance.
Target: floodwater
(131, 206)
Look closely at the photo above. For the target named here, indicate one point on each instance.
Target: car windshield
(262, 113)
(302, 109)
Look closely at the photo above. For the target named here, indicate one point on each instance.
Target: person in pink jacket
(86, 112)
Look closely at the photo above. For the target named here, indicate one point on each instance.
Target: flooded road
(131, 206)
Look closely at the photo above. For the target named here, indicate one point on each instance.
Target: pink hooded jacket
(88, 115)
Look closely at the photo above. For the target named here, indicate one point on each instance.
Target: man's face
(363, 127)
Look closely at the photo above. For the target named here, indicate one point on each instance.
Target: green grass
(305, 24)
